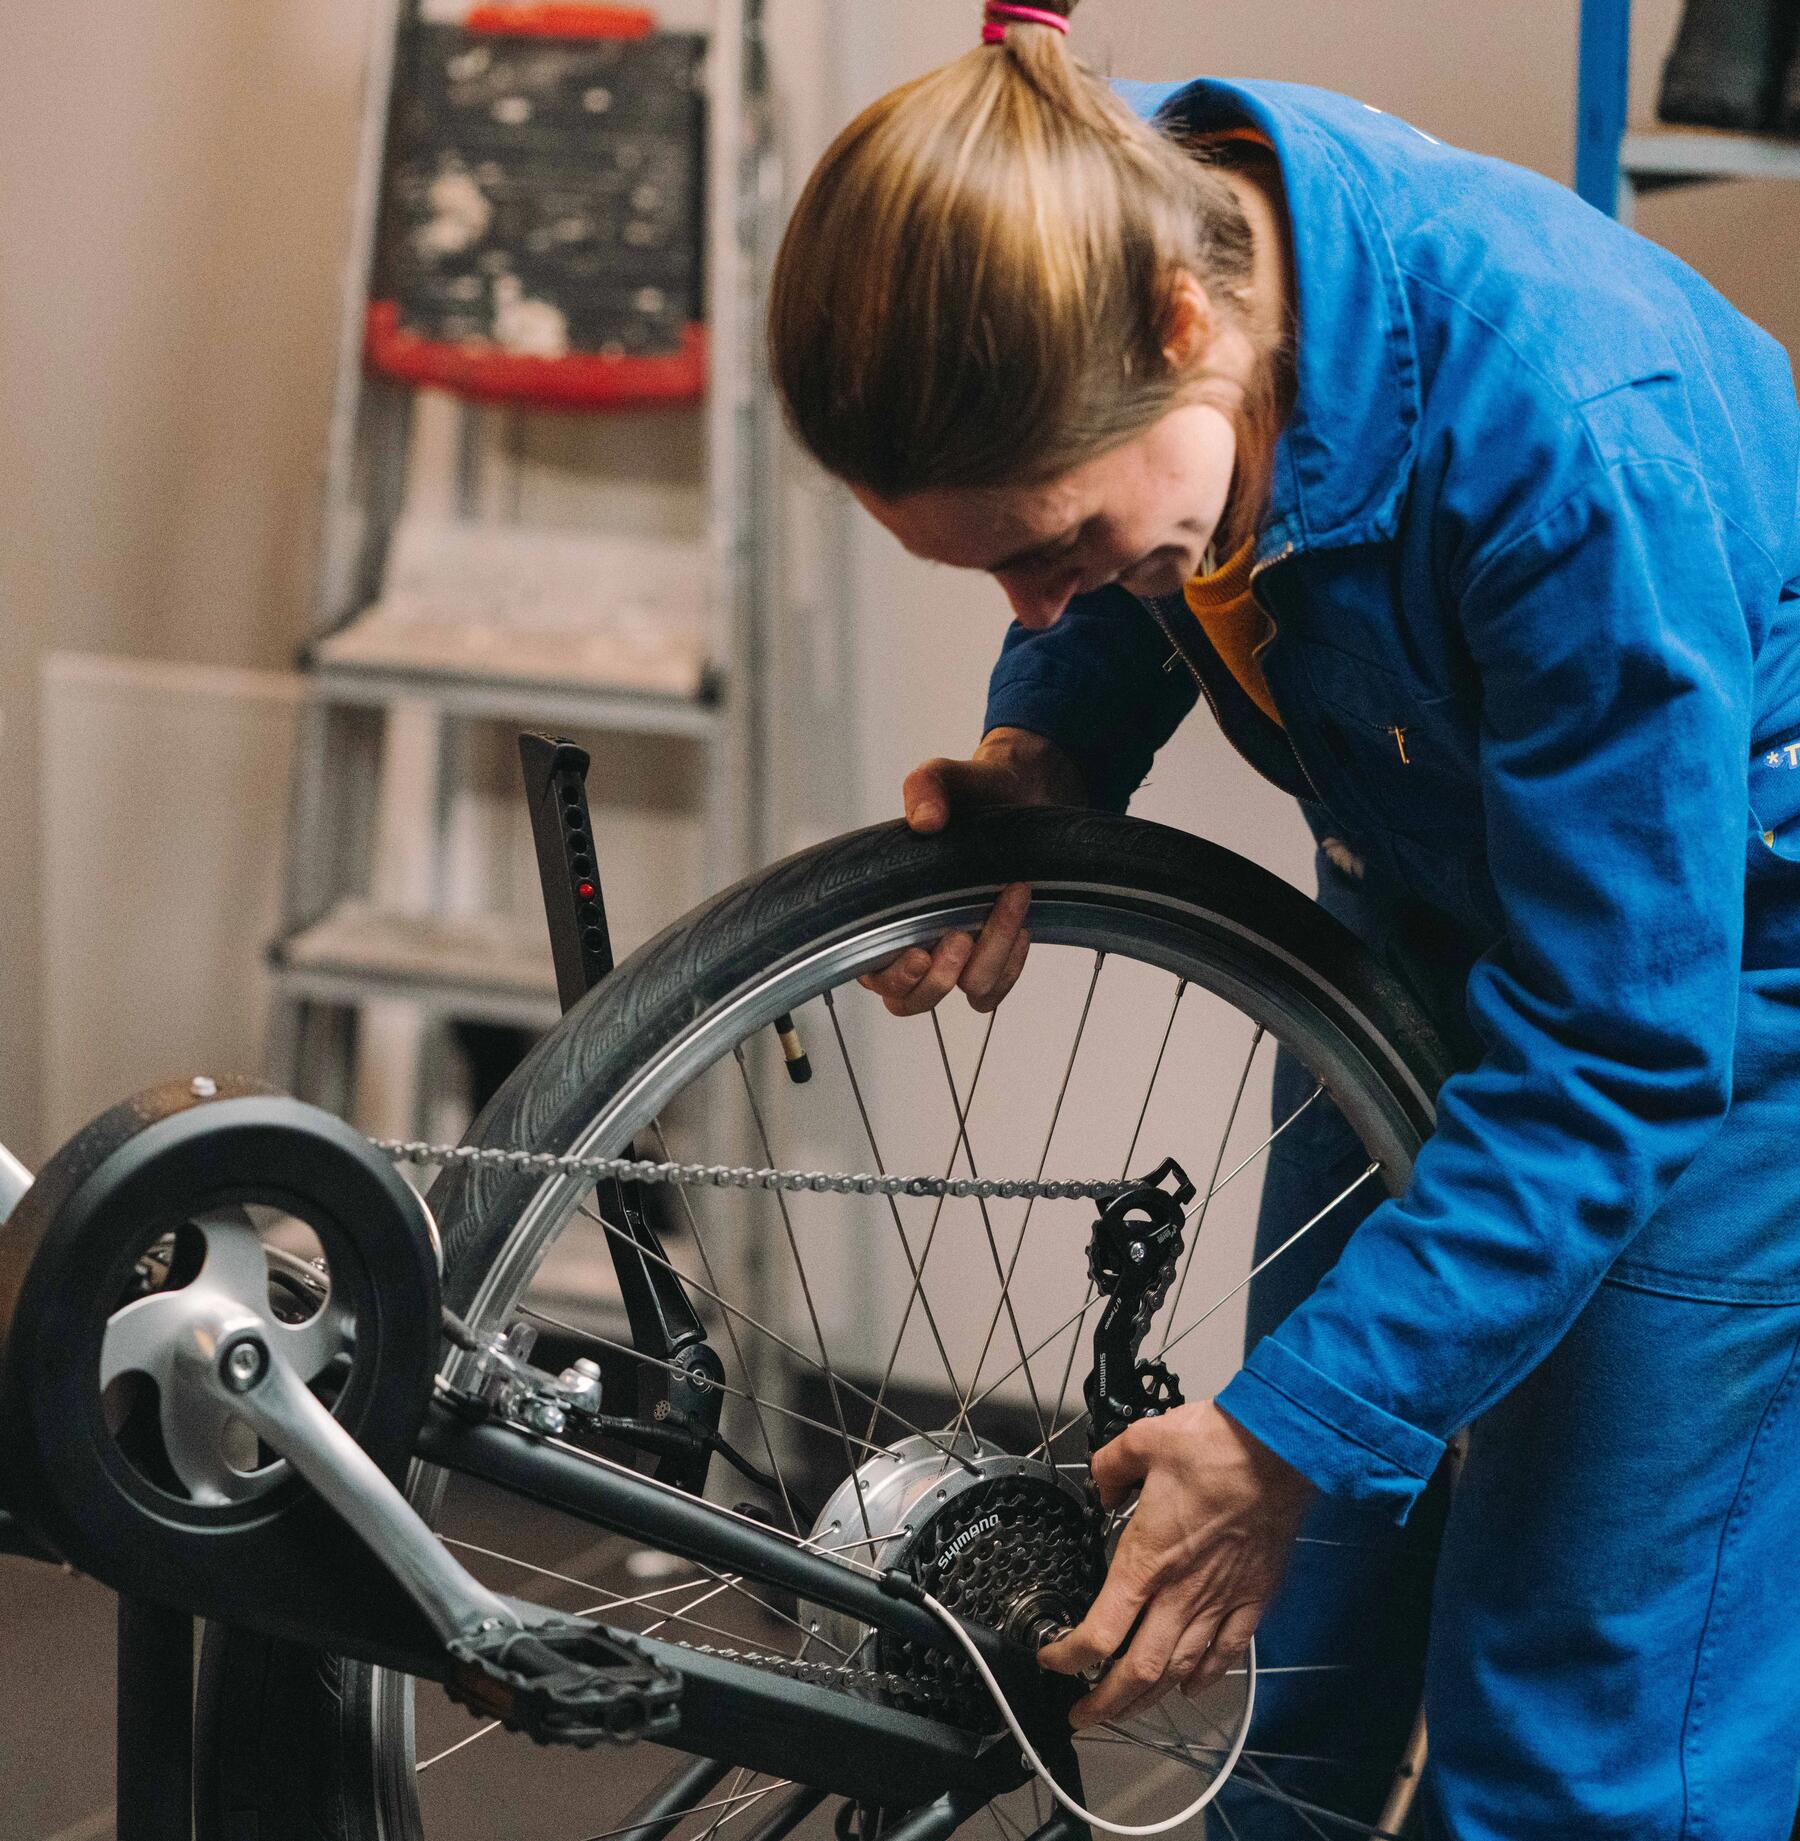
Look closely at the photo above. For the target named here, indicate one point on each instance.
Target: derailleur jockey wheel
(170, 1215)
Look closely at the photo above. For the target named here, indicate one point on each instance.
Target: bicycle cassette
(1008, 1543)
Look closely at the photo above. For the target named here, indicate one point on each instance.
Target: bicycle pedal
(564, 1683)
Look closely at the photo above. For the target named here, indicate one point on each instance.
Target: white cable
(951, 1623)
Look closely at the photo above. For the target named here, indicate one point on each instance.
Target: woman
(1473, 517)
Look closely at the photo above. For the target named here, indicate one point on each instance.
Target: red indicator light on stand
(585, 890)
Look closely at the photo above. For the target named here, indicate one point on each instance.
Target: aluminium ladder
(410, 909)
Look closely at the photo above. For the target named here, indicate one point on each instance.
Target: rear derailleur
(1131, 1260)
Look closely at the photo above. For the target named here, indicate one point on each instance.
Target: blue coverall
(1533, 560)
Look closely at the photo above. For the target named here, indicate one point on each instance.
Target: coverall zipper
(1158, 613)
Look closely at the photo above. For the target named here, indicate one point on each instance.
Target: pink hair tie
(1000, 16)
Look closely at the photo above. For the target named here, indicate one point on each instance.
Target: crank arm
(239, 1369)
(558, 1679)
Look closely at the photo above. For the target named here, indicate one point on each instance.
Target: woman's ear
(1188, 331)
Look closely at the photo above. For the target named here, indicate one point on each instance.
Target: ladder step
(560, 702)
(490, 967)
(519, 655)
(526, 605)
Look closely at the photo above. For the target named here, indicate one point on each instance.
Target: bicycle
(838, 1481)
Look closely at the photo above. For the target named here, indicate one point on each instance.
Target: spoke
(1259, 1783)
(1262, 1265)
(753, 1797)
(1237, 1099)
(1012, 1265)
(744, 1799)
(449, 1751)
(775, 1336)
(312, 1346)
(1114, 1734)
(1137, 1131)
(843, 1048)
(618, 1602)
(682, 1614)
(987, 1225)
(193, 1429)
(812, 1309)
(140, 1339)
(916, 1295)
(1238, 1168)
(737, 1789)
(235, 1261)
(756, 1403)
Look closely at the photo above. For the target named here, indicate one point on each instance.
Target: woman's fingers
(1119, 1466)
(899, 978)
(1192, 1649)
(925, 796)
(995, 947)
(1230, 1644)
(1015, 966)
(921, 976)
(1140, 1677)
(986, 967)
(1100, 1635)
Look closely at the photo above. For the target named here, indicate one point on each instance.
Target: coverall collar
(1344, 460)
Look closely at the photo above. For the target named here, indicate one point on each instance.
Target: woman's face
(1141, 515)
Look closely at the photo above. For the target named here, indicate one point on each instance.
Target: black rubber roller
(164, 1170)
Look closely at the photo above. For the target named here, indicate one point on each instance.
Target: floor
(56, 1725)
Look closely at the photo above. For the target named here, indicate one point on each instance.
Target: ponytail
(978, 282)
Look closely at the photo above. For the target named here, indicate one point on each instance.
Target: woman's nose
(1037, 605)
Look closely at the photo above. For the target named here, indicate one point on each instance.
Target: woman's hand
(1201, 1558)
(1011, 767)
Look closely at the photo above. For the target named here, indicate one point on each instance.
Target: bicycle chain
(843, 1675)
(901, 1689)
(744, 1176)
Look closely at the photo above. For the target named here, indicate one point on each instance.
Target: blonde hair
(977, 285)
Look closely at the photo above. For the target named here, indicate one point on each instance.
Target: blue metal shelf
(1613, 165)
(1605, 84)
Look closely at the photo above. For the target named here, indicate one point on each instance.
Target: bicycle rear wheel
(861, 1336)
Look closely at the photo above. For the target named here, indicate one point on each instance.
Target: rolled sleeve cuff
(1334, 1438)
(1067, 715)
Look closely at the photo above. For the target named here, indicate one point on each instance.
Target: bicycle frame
(745, 1715)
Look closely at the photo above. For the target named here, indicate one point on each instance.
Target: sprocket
(1010, 1544)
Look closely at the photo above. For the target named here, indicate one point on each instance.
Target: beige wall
(172, 183)
(172, 180)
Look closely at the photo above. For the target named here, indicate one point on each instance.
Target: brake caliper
(1131, 1259)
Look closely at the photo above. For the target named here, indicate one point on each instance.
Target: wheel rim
(1082, 930)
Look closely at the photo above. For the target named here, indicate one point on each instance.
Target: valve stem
(793, 1050)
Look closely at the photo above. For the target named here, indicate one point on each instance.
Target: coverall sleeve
(1616, 679)
(1094, 684)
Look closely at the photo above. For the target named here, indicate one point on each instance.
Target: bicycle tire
(283, 1746)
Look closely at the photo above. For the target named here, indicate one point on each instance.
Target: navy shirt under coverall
(1534, 516)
